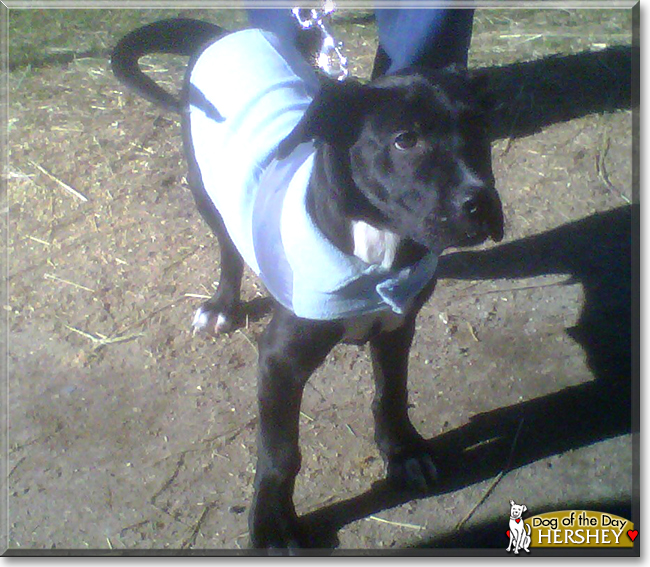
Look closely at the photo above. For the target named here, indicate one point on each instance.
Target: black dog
(401, 171)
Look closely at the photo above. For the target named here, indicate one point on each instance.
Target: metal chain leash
(330, 56)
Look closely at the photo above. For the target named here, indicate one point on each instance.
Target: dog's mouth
(478, 236)
(463, 230)
(472, 239)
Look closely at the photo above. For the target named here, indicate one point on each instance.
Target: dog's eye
(406, 140)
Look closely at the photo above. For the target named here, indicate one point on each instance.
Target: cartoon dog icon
(519, 537)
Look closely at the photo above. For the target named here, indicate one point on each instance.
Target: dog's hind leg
(409, 463)
(220, 313)
(290, 350)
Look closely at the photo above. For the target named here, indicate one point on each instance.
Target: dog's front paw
(413, 470)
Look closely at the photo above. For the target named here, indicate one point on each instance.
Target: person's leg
(431, 38)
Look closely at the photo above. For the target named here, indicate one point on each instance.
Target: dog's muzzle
(479, 214)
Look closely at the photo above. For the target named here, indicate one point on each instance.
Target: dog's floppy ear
(331, 117)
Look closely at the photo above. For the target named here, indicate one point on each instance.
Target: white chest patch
(374, 246)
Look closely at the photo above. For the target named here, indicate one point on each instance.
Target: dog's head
(517, 510)
(418, 152)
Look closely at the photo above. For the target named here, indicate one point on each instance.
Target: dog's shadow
(598, 252)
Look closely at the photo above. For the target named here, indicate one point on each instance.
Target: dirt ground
(125, 432)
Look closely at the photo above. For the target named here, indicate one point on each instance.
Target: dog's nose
(473, 206)
(480, 209)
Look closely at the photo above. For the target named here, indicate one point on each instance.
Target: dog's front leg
(290, 350)
(409, 464)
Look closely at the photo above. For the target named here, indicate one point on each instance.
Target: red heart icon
(518, 520)
(632, 534)
(508, 533)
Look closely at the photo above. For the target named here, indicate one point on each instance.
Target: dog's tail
(176, 36)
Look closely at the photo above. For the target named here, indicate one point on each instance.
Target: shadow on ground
(531, 95)
(599, 252)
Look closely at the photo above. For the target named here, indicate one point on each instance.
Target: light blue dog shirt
(261, 88)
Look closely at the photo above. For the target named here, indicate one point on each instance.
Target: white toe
(201, 319)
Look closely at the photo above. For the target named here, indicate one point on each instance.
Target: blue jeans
(431, 38)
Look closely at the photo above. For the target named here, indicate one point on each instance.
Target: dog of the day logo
(518, 530)
(567, 528)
